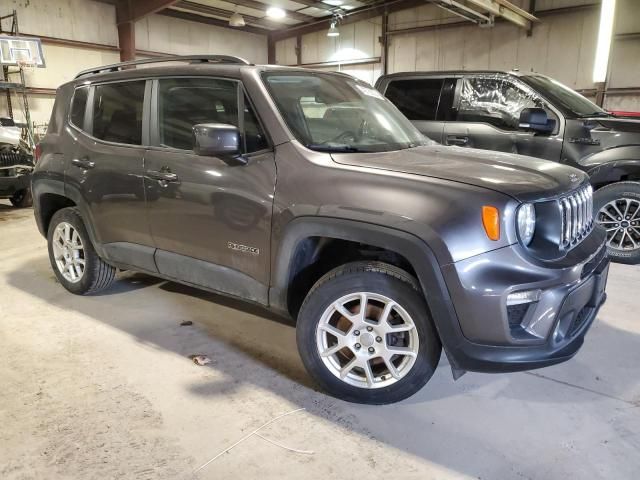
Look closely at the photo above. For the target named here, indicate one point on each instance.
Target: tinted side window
(416, 99)
(185, 102)
(78, 106)
(495, 101)
(117, 112)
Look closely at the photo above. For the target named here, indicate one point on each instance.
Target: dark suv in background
(311, 194)
(534, 115)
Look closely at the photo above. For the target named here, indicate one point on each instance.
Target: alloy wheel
(68, 252)
(621, 219)
(367, 340)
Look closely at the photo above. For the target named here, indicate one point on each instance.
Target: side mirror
(218, 140)
(536, 120)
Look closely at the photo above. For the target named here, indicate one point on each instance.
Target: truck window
(493, 100)
(417, 99)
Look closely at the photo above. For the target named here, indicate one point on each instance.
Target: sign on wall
(21, 50)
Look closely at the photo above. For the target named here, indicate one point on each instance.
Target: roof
(456, 72)
(179, 65)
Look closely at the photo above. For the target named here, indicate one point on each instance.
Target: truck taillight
(37, 152)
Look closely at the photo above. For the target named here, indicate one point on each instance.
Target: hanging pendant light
(333, 30)
(236, 20)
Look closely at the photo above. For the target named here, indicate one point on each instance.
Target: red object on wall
(619, 113)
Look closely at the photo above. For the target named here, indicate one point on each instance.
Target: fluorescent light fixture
(603, 47)
(333, 3)
(333, 31)
(276, 12)
(236, 20)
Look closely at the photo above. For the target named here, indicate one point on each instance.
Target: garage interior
(106, 385)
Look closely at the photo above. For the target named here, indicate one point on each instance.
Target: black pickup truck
(533, 115)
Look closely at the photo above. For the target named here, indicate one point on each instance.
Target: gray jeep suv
(311, 194)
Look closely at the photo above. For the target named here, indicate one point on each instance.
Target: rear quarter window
(79, 106)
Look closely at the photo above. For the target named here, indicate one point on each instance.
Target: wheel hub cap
(68, 252)
(367, 340)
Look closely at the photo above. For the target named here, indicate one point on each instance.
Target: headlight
(526, 222)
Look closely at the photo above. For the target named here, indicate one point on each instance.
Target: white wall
(356, 41)
(562, 46)
(159, 33)
(95, 22)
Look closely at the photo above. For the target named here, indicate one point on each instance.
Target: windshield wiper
(333, 148)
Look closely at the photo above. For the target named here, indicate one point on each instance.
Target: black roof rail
(227, 59)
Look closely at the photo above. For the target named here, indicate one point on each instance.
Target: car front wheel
(364, 334)
(618, 211)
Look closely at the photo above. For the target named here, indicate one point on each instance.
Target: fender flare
(411, 247)
(613, 165)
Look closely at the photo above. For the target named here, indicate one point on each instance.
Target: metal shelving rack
(19, 87)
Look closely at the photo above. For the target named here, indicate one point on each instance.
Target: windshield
(564, 97)
(335, 113)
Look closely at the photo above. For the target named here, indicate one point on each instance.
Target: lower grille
(577, 216)
(579, 320)
(516, 314)
(9, 159)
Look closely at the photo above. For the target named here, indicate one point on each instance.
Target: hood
(619, 124)
(521, 177)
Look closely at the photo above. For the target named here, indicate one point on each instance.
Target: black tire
(377, 278)
(619, 191)
(98, 275)
(22, 198)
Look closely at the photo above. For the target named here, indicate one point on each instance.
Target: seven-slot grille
(577, 216)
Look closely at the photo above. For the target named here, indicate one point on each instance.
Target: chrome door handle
(83, 163)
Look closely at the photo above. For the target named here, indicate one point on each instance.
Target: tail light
(37, 152)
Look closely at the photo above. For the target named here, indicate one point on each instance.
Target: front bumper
(551, 331)
(9, 185)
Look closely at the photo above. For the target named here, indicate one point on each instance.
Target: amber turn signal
(491, 222)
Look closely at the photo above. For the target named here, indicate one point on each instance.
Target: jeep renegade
(311, 194)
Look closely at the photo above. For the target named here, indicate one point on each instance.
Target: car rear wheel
(74, 260)
(618, 211)
(365, 336)
(22, 199)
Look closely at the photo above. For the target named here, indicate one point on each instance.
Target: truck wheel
(22, 199)
(365, 336)
(73, 258)
(618, 210)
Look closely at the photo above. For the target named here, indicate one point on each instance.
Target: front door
(487, 114)
(210, 220)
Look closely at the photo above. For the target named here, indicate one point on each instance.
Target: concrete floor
(102, 387)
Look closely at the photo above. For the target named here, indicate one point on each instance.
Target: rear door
(211, 221)
(418, 99)
(486, 113)
(105, 172)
